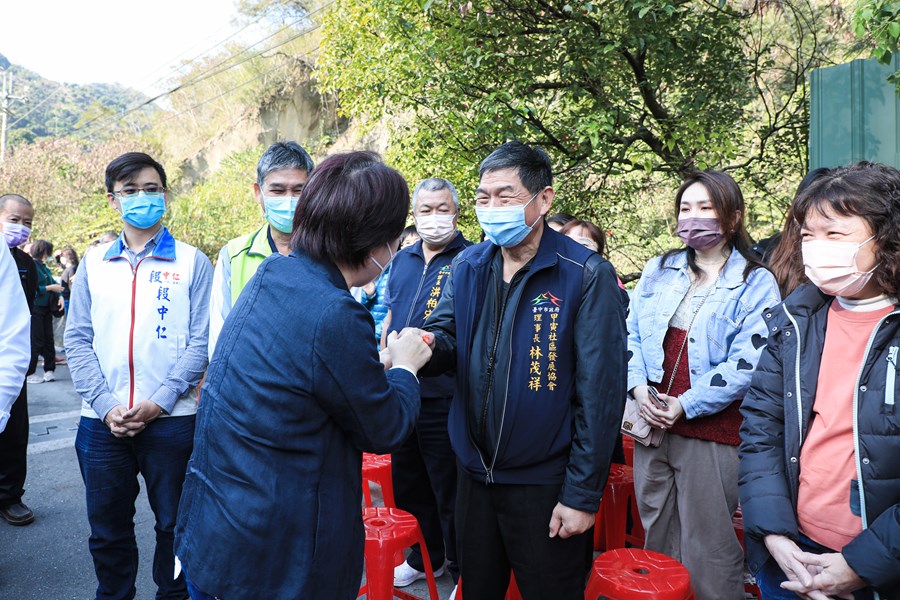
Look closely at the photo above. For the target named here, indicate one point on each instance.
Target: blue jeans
(197, 594)
(109, 468)
(770, 576)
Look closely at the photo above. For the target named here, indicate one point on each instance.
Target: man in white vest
(136, 345)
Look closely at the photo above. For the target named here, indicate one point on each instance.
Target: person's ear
(257, 191)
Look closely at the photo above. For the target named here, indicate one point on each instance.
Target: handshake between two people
(410, 348)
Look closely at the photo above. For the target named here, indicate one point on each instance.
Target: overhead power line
(214, 70)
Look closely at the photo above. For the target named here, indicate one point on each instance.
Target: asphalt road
(49, 559)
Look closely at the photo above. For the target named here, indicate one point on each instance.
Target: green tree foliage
(878, 23)
(626, 96)
(220, 208)
(63, 178)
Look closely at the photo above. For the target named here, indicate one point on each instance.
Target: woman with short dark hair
(45, 302)
(294, 394)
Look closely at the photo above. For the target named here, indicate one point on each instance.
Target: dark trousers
(14, 451)
(424, 477)
(109, 468)
(500, 527)
(42, 339)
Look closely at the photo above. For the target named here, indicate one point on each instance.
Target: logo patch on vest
(542, 354)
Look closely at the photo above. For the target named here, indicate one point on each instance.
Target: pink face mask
(831, 266)
(699, 233)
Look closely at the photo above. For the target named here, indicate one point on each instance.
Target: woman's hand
(408, 349)
(54, 287)
(662, 418)
(787, 554)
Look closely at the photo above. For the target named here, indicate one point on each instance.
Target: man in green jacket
(281, 173)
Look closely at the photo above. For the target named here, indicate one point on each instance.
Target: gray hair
(435, 184)
(283, 155)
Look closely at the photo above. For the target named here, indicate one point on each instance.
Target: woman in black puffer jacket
(820, 441)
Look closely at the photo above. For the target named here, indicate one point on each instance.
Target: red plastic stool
(512, 592)
(388, 532)
(377, 469)
(632, 574)
(611, 523)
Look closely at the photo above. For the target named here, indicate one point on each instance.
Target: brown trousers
(687, 492)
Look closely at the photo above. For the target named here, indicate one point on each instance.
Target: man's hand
(567, 522)
(833, 576)
(426, 336)
(54, 287)
(129, 423)
(119, 426)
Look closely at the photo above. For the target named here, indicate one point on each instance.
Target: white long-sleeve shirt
(15, 335)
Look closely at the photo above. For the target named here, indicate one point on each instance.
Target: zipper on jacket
(412, 306)
(859, 478)
(796, 374)
(492, 361)
(891, 375)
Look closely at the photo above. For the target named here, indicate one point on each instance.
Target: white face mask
(385, 266)
(831, 266)
(436, 230)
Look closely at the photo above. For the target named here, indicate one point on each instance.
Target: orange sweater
(827, 464)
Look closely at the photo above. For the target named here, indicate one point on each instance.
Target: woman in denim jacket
(695, 333)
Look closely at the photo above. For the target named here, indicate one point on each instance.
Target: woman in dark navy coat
(294, 394)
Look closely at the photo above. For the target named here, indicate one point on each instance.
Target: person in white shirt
(15, 340)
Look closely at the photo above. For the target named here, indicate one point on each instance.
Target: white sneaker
(49, 376)
(453, 593)
(405, 575)
(34, 379)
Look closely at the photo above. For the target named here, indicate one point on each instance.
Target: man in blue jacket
(534, 324)
(424, 468)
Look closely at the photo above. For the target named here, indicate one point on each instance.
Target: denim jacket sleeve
(637, 372)
(727, 381)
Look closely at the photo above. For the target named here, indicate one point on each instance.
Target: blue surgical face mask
(280, 211)
(505, 225)
(143, 210)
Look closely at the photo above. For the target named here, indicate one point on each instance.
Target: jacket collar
(808, 299)
(547, 254)
(259, 243)
(324, 267)
(732, 275)
(165, 246)
(458, 242)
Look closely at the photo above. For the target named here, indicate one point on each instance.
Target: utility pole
(5, 97)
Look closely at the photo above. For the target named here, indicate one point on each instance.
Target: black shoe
(17, 514)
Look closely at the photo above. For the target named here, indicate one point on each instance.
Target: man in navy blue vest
(534, 325)
(424, 468)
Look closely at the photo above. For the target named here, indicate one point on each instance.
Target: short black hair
(532, 164)
(13, 198)
(128, 165)
(352, 204)
(283, 155)
(41, 249)
(562, 219)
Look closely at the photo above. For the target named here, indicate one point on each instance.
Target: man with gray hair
(534, 326)
(281, 174)
(424, 467)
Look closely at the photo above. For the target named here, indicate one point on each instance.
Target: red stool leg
(379, 574)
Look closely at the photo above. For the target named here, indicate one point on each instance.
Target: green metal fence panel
(854, 114)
